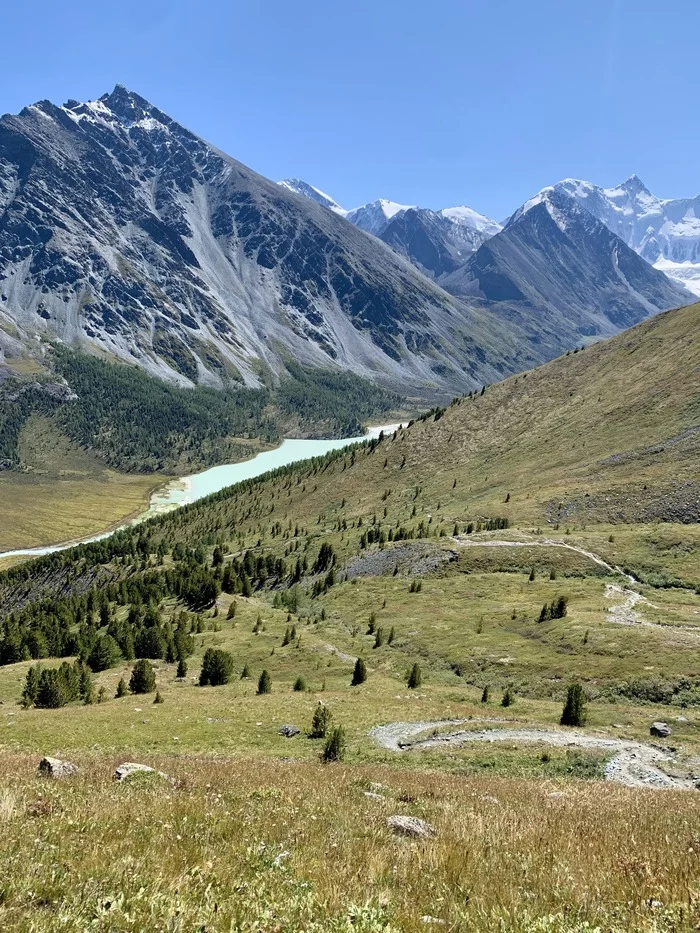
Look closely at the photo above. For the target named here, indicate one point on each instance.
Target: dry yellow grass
(264, 845)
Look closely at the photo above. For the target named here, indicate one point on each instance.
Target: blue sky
(435, 102)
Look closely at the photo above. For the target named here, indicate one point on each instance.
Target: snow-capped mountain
(666, 232)
(557, 266)
(122, 230)
(314, 194)
(375, 217)
(434, 241)
(438, 242)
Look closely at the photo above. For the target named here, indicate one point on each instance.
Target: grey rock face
(660, 729)
(55, 768)
(122, 229)
(556, 264)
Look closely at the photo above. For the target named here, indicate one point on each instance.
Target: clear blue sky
(435, 102)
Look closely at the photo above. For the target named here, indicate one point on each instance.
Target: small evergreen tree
(264, 683)
(217, 668)
(87, 694)
(532, 575)
(231, 614)
(320, 722)
(105, 654)
(102, 695)
(122, 689)
(181, 669)
(415, 678)
(158, 698)
(485, 694)
(300, 685)
(287, 637)
(31, 687)
(334, 749)
(359, 674)
(143, 677)
(508, 697)
(245, 673)
(574, 713)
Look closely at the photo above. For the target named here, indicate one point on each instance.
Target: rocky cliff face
(122, 230)
(558, 269)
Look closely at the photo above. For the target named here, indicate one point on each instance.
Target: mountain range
(123, 233)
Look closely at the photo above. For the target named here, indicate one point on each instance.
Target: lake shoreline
(174, 492)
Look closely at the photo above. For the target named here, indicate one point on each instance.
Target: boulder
(130, 768)
(289, 731)
(411, 826)
(660, 729)
(55, 768)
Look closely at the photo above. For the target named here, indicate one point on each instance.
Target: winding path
(632, 763)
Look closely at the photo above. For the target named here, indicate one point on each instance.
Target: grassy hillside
(449, 546)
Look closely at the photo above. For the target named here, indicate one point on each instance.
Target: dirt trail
(468, 541)
(623, 612)
(632, 763)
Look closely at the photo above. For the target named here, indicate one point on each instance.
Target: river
(186, 489)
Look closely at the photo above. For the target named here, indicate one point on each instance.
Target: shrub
(574, 713)
(122, 689)
(217, 668)
(143, 677)
(300, 685)
(334, 749)
(158, 698)
(415, 678)
(359, 675)
(320, 722)
(264, 683)
(508, 697)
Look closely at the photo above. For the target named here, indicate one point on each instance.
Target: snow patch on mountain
(298, 186)
(664, 231)
(466, 216)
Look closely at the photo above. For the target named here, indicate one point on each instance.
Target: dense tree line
(138, 423)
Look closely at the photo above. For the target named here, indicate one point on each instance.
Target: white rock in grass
(129, 768)
(55, 768)
(411, 826)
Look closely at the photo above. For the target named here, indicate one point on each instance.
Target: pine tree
(245, 673)
(87, 694)
(300, 685)
(264, 683)
(485, 694)
(320, 722)
(217, 668)
(143, 677)
(415, 678)
(31, 687)
(102, 695)
(287, 637)
(574, 713)
(359, 675)
(508, 698)
(334, 749)
(158, 697)
(122, 689)
(231, 614)
(181, 669)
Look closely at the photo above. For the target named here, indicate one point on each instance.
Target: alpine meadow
(349, 558)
